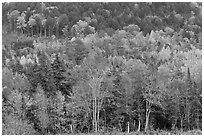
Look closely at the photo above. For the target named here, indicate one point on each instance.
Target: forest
(102, 68)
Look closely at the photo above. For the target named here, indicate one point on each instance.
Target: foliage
(100, 16)
(102, 68)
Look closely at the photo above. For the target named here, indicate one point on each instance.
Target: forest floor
(162, 132)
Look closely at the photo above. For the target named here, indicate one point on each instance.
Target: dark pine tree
(58, 69)
(46, 75)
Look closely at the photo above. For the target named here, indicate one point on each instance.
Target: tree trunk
(181, 123)
(147, 119)
(148, 110)
(32, 31)
(128, 127)
(37, 30)
(139, 124)
(49, 31)
(45, 32)
(120, 126)
(98, 115)
(188, 121)
(71, 128)
(57, 31)
(174, 124)
(14, 26)
(40, 32)
(95, 115)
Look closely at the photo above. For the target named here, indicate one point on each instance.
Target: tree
(137, 71)
(38, 18)
(56, 25)
(44, 25)
(58, 69)
(62, 22)
(21, 23)
(41, 102)
(13, 19)
(15, 103)
(97, 68)
(145, 77)
(50, 24)
(32, 23)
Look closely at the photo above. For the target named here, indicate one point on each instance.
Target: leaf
(152, 37)
(168, 30)
(163, 76)
(32, 21)
(23, 60)
(164, 54)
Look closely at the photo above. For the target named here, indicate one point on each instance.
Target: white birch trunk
(139, 124)
(128, 128)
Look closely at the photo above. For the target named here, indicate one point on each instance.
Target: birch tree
(21, 23)
(32, 23)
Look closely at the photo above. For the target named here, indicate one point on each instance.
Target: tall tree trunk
(181, 123)
(95, 115)
(49, 31)
(37, 30)
(188, 120)
(147, 119)
(139, 124)
(128, 127)
(40, 31)
(98, 114)
(45, 32)
(57, 31)
(120, 126)
(14, 25)
(32, 31)
(71, 128)
(174, 124)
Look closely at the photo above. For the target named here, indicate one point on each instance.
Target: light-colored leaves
(164, 54)
(23, 60)
(32, 21)
(21, 23)
(14, 14)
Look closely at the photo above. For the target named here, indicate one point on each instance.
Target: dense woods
(101, 68)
